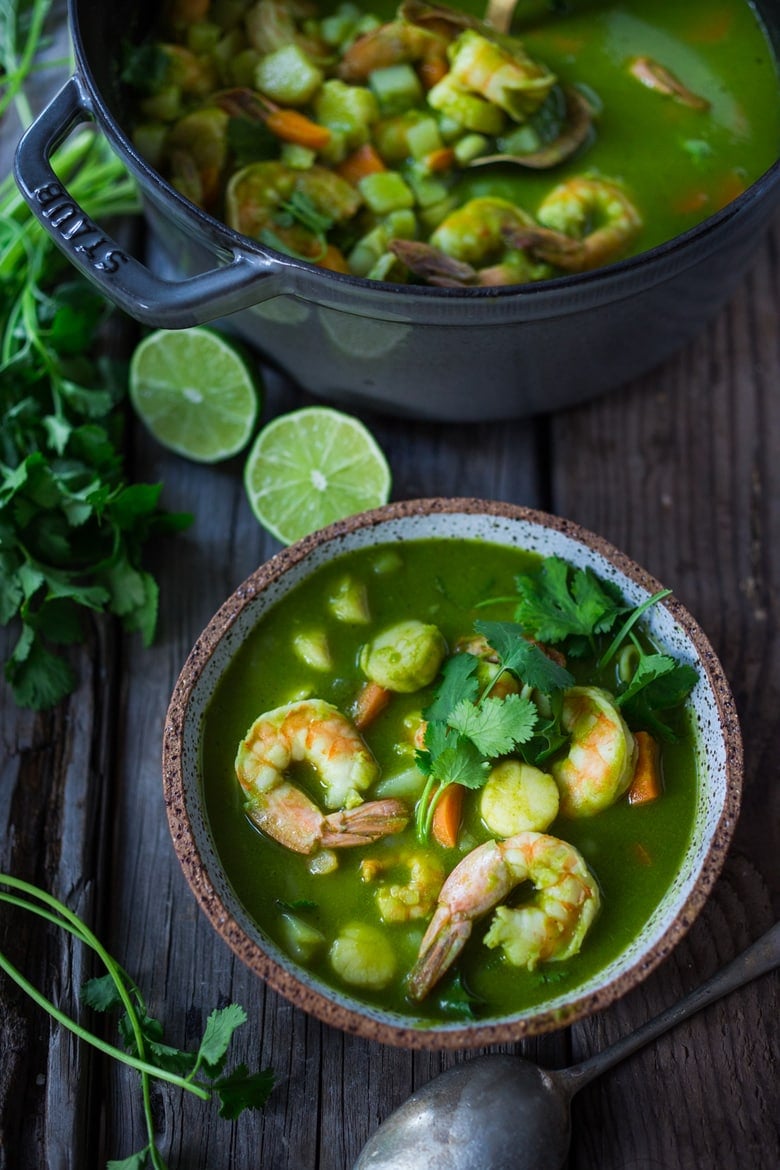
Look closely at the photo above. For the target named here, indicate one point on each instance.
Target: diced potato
(407, 784)
(300, 938)
(288, 76)
(385, 191)
(349, 602)
(312, 647)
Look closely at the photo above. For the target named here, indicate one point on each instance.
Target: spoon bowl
(501, 1112)
(459, 1119)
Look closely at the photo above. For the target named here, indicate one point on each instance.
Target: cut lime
(311, 467)
(194, 392)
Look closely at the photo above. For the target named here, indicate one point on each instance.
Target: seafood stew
(450, 778)
(420, 145)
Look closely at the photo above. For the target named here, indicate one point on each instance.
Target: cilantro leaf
(456, 1000)
(242, 1090)
(101, 993)
(524, 659)
(137, 1161)
(649, 668)
(458, 683)
(218, 1033)
(298, 905)
(453, 758)
(663, 693)
(495, 726)
(563, 602)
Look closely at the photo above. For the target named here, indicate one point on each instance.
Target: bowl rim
(472, 1033)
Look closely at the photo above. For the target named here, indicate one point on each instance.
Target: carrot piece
(291, 126)
(646, 784)
(441, 159)
(446, 816)
(431, 72)
(715, 27)
(370, 703)
(363, 161)
(333, 259)
(730, 187)
(690, 202)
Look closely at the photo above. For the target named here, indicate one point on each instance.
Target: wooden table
(682, 470)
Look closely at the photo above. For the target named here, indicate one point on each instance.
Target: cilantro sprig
(467, 727)
(561, 606)
(566, 604)
(201, 1072)
(572, 607)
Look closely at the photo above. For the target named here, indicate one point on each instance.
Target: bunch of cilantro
(562, 607)
(72, 528)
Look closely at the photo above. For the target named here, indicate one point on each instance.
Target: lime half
(311, 467)
(194, 392)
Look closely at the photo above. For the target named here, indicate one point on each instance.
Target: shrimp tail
(433, 265)
(444, 939)
(361, 825)
(548, 245)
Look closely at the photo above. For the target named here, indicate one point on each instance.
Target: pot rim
(337, 1011)
(221, 235)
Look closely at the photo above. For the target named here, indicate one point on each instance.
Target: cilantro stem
(426, 806)
(76, 926)
(84, 1034)
(17, 67)
(629, 623)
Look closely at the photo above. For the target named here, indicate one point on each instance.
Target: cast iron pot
(449, 354)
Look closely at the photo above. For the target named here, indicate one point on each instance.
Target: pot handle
(246, 280)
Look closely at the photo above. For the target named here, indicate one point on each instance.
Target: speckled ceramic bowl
(718, 750)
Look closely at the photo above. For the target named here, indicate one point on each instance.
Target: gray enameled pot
(447, 354)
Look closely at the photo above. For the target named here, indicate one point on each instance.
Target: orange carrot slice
(363, 161)
(447, 814)
(333, 259)
(291, 126)
(647, 784)
(370, 703)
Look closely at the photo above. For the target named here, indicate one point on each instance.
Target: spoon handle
(762, 956)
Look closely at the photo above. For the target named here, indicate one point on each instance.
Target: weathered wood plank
(332, 1089)
(681, 470)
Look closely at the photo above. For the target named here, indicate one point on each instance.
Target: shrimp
(586, 222)
(656, 76)
(317, 732)
(469, 247)
(197, 152)
(600, 762)
(398, 42)
(504, 74)
(271, 25)
(550, 928)
(257, 196)
(402, 901)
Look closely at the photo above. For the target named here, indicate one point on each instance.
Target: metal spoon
(501, 1112)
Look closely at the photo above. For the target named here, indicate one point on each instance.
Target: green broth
(634, 851)
(680, 164)
(676, 164)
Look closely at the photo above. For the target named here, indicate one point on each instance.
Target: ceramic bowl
(717, 747)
